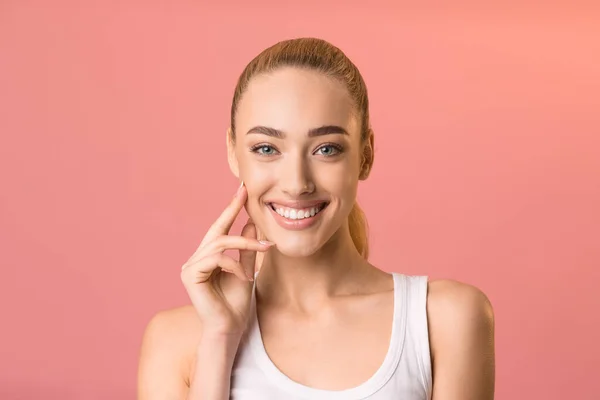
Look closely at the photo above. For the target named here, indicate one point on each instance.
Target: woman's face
(297, 149)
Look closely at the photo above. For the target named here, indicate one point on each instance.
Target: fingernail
(266, 242)
(240, 188)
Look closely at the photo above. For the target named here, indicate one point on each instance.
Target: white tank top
(404, 374)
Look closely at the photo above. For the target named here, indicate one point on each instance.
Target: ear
(231, 156)
(368, 156)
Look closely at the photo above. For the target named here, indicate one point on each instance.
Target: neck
(304, 283)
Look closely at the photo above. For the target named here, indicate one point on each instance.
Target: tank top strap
(400, 318)
(418, 330)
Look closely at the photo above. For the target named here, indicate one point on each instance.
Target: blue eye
(329, 150)
(264, 150)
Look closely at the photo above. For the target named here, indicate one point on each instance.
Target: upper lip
(298, 204)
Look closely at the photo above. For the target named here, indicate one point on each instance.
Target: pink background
(112, 165)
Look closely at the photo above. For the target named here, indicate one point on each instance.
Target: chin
(297, 248)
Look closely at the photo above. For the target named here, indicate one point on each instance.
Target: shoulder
(448, 299)
(178, 320)
(168, 344)
(461, 333)
(456, 308)
(172, 330)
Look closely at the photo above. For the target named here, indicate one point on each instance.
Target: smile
(297, 213)
(299, 217)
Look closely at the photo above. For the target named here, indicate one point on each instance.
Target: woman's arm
(161, 369)
(461, 323)
(180, 362)
(211, 375)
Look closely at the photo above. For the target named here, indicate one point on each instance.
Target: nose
(296, 176)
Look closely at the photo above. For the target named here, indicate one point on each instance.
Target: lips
(298, 213)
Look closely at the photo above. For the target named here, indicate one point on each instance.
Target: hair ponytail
(357, 222)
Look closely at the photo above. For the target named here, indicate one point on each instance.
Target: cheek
(339, 179)
(251, 171)
(258, 178)
(255, 174)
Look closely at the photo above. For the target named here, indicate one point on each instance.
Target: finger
(248, 257)
(223, 224)
(259, 255)
(223, 243)
(201, 270)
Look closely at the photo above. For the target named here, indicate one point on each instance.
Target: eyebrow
(320, 131)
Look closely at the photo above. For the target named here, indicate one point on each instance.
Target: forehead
(295, 100)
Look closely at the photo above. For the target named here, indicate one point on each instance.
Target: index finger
(223, 224)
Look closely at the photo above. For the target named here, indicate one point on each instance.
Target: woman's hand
(222, 300)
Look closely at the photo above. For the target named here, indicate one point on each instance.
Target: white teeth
(296, 214)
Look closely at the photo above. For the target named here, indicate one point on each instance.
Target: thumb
(248, 257)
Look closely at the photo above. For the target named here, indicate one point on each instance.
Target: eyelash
(255, 149)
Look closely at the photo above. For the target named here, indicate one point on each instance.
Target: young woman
(318, 321)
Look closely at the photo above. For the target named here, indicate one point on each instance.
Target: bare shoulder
(183, 317)
(461, 333)
(178, 326)
(448, 300)
(167, 351)
(456, 308)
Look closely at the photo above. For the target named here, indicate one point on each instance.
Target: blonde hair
(322, 56)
